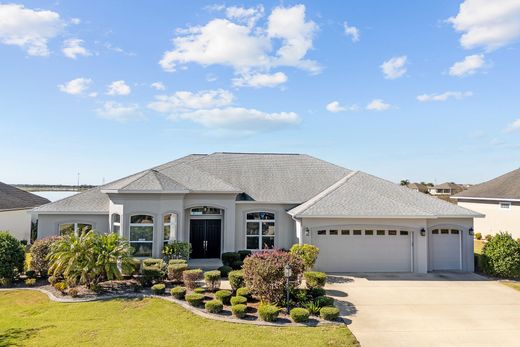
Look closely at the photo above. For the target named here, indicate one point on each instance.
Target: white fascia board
(71, 212)
(394, 217)
(490, 199)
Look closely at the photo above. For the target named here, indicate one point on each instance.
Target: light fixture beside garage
(423, 232)
(307, 232)
(471, 231)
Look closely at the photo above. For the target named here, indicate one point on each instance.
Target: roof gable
(12, 198)
(506, 186)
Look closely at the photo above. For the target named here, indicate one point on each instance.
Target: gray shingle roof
(12, 198)
(362, 195)
(506, 186)
(150, 180)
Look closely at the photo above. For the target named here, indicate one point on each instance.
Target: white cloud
(335, 107)
(158, 86)
(211, 77)
(351, 31)
(76, 86)
(378, 105)
(514, 126)
(260, 80)
(29, 29)
(394, 68)
(72, 48)
(119, 88)
(247, 48)
(116, 49)
(75, 21)
(247, 15)
(444, 96)
(488, 24)
(119, 112)
(468, 66)
(183, 101)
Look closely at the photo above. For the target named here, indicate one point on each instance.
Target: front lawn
(30, 318)
(514, 285)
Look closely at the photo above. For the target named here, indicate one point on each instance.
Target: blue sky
(393, 88)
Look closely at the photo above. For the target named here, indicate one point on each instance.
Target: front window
(169, 227)
(260, 230)
(141, 235)
(116, 223)
(74, 228)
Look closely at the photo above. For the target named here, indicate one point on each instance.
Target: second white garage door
(363, 250)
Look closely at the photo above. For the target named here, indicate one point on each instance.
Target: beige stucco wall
(17, 222)
(496, 219)
(48, 224)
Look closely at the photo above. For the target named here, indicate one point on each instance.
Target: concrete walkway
(440, 309)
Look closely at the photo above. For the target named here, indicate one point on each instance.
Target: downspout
(299, 233)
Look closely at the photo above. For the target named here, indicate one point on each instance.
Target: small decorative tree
(307, 253)
(39, 252)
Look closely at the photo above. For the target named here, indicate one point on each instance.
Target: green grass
(478, 245)
(30, 319)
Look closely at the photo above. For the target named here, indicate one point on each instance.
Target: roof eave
(389, 216)
(482, 198)
(71, 212)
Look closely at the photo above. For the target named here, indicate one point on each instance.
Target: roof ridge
(157, 173)
(142, 174)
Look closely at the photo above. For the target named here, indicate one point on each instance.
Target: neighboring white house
(226, 202)
(445, 189)
(15, 210)
(499, 200)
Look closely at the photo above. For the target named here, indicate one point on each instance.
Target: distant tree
(405, 182)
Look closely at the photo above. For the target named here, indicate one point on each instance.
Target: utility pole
(78, 180)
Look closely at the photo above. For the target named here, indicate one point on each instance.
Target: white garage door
(363, 250)
(445, 249)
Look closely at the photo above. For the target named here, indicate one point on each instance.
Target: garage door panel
(364, 253)
(445, 249)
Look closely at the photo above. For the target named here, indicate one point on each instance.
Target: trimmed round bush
(238, 300)
(153, 262)
(236, 279)
(212, 279)
(323, 301)
(194, 299)
(244, 254)
(199, 290)
(39, 251)
(175, 271)
(177, 261)
(237, 265)
(158, 288)
(240, 310)
(225, 270)
(191, 277)
(178, 292)
(329, 313)
(214, 306)
(315, 279)
(307, 253)
(268, 313)
(12, 256)
(151, 274)
(228, 258)
(299, 315)
(502, 256)
(224, 296)
(245, 292)
(316, 292)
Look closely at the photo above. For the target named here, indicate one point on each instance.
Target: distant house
(499, 200)
(445, 189)
(418, 187)
(15, 206)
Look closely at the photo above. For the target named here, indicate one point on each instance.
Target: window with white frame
(505, 205)
(74, 228)
(260, 230)
(169, 227)
(141, 235)
(116, 223)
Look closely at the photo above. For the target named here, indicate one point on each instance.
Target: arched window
(116, 223)
(141, 235)
(74, 228)
(169, 227)
(260, 230)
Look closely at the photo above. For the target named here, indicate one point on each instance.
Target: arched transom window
(141, 235)
(260, 230)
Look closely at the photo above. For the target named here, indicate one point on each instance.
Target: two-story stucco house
(225, 202)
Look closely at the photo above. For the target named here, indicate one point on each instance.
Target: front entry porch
(205, 263)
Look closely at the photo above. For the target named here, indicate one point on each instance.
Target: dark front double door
(205, 238)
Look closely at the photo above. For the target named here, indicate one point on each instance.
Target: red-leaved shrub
(39, 251)
(264, 274)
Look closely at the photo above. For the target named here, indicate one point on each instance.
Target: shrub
(264, 274)
(30, 273)
(307, 253)
(212, 279)
(191, 277)
(178, 292)
(194, 299)
(151, 274)
(175, 271)
(199, 290)
(60, 286)
(53, 279)
(39, 252)
(12, 256)
(244, 253)
(229, 258)
(5, 282)
(153, 262)
(299, 315)
(73, 292)
(30, 282)
(329, 313)
(177, 250)
(268, 313)
(224, 296)
(158, 288)
(240, 310)
(245, 292)
(478, 236)
(323, 301)
(488, 237)
(225, 270)
(236, 279)
(316, 292)
(313, 307)
(480, 261)
(237, 265)
(238, 300)
(214, 306)
(502, 256)
(314, 279)
(177, 261)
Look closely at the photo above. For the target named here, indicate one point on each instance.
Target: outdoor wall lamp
(471, 231)
(307, 232)
(423, 232)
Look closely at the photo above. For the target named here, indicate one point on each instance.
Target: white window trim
(260, 236)
(173, 223)
(116, 223)
(130, 225)
(76, 230)
(507, 203)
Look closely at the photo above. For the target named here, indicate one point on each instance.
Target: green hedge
(268, 313)
(224, 296)
(299, 315)
(194, 299)
(238, 300)
(314, 279)
(158, 288)
(329, 313)
(214, 306)
(236, 279)
(178, 293)
(240, 310)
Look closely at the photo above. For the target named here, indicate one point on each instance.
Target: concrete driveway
(438, 309)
